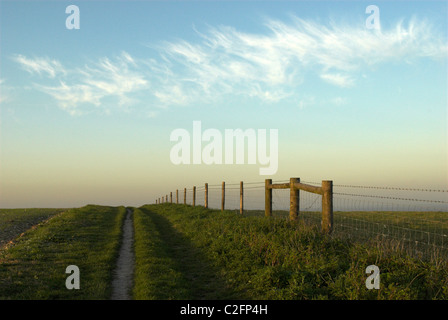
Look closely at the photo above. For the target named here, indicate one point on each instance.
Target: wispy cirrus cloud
(47, 66)
(338, 79)
(91, 84)
(269, 66)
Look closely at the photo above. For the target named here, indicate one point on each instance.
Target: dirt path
(124, 271)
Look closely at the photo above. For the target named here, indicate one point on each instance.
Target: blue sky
(86, 114)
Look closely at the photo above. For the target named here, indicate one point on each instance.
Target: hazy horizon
(86, 114)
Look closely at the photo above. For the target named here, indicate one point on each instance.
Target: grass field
(260, 258)
(422, 234)
(88, 237)
(193, 253)
(13, 222)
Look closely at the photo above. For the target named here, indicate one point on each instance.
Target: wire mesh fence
(411, 219)
(395, 217)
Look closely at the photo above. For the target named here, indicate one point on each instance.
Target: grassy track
(184, 252)
(259, 258)
(169, 265)
(88, 237)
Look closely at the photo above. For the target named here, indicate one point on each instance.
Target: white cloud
(91, 84)
(268, 67)
(338, 79)
(70, 97)
(117, 79)
(40, 65)
(272, 66)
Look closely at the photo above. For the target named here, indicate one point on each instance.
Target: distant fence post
(194, 196)
(327, 206)
(241, 197)
(185, 195)
(159, 201)
(267, 198)
(206, 196)
(294, 200)
(166, 199)
(171, 197)
(177, 196)
(223, 195)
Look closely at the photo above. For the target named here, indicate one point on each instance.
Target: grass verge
(88, 237)
(169, 266)
(262, 258)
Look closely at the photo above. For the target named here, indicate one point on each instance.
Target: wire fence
(411, 219)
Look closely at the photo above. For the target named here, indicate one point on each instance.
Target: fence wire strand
(409, 221)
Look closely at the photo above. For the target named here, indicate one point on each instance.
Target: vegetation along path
(180, 252)
(185, 252)
(169, 265)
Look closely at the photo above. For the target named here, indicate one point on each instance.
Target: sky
(86, 114)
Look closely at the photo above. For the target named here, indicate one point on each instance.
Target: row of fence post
(294, 185)
(223, 196)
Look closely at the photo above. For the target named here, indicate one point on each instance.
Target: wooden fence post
(241, 197)
(177, 196)
(294, 200)
(194, 196)
(166, 199)
(223, 195)
(171, 197)
(185, 195)
(206, 196)
(327, 206)
(267, 198)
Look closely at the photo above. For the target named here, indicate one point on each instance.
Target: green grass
(262, 258)
(422, 234)
(89, 237)
(193, 253)
(14, 222)
(169, 265)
